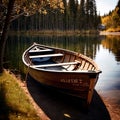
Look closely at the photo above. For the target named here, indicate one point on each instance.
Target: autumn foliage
(112, 20)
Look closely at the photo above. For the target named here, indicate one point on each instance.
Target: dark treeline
(78, 15)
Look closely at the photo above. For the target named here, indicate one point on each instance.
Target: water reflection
(17, 44)
(108, 58)
(113, 44)
(110, 76)
(105, 50)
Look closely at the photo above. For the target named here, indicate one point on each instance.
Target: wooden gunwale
(80, 56)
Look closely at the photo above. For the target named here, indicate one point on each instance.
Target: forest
(112, 20)
(38, 15)
(76, 15)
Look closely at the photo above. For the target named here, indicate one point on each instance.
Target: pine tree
(65, 15)
(118, 5)
(95, 17)
(73, 4)
(76, 15)
(91, 13)
(81, 15)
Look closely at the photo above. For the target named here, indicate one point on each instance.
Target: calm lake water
(105, 50)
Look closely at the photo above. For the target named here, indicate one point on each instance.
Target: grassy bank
(14, 104)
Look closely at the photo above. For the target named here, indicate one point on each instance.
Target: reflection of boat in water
(67, 71)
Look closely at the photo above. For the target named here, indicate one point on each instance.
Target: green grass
(14, 103)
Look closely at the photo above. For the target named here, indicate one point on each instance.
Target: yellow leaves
(105, 20)
(50, 5)
(42, 11)
(56, 4)
(61, 4)
(30, 7)
(62, 11)
(112, 21)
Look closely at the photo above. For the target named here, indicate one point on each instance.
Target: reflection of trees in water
(16, 45)
(83, 44)
(113, 44)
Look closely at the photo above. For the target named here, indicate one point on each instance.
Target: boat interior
(56, 59)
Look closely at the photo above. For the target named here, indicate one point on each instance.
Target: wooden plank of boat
(55, 65)
(48, 55)
(43, 50)
(79, 79)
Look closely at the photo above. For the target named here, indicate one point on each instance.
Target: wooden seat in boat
(55, 65)
(48, 55)
(39, 50)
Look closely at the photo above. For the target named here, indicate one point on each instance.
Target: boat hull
(67, 71)
(75, 84)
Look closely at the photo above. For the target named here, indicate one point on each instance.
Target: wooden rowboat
(67, 71)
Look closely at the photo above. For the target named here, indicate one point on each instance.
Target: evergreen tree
(81, 15)
(118, 5)
(112, 20)
(116, 17)
(95, 17)
(76, 15)
(91, 13)
(87, 11)
(73, 5)
(65, 15)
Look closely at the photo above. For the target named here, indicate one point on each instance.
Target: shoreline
(111, 106)
(109, 33)
(111, 103)
(95, 107)
(22, 84)
(64, 33)
(56, 32)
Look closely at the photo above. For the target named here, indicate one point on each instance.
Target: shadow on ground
(58, 106)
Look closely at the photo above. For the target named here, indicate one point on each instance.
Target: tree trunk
(4, 33)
